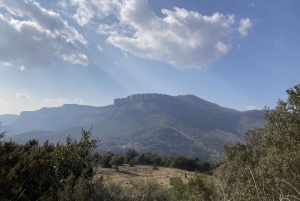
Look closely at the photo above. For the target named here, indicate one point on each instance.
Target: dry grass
(126, 174)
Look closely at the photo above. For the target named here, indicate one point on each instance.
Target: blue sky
(238, 54)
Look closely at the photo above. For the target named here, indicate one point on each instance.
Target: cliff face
(146, 98)
(157, 101)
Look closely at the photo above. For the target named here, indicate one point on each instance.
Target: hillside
(8, 118)
(158, 123)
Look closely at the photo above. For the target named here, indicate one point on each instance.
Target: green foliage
(105, 160)
(74, 157)
(2, 134)
(198, 188)
(131, 154)
(266, 166)
(201, 187)
(97, 157)
(32, 172)
(179, 189)
(117, 160)
(147, 159)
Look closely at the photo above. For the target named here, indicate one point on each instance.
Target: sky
(239, 54)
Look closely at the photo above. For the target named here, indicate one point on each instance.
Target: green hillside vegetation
(264, 167)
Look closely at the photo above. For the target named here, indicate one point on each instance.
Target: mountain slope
(8, 118)
(147, 122)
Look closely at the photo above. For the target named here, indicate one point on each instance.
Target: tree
(131, 154)
(105, 160)
(38, 172)
(75, 157)
(266, 166)
(117, 160)
(2, 134)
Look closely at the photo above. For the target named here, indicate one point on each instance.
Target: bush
(266, 166)
(131, 163)
(34, 172)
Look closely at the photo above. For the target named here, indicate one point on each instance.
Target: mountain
(53, 119)
(177, 125)
(8, 118)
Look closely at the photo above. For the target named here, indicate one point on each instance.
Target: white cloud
(88, 9)
(78, 100)
(100, 49)
(252, 107)
(182, 38)
(251, 5)
(6, 63)
(62, 4)
(22, 68)
(23, 96)
(35, 37)
(2, 100)
(59, 100)
(245, 24)
(113, 29)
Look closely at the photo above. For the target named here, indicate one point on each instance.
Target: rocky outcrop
(140, 101)
(146, 98)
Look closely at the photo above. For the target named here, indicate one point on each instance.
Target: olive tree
(117, 160)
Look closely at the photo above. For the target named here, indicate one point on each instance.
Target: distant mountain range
(173, 125)
(8, 118)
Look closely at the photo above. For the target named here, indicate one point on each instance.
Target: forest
(263, 167)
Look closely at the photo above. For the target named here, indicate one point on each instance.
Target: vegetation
(117, 160)
(32, 172)
(264, 167)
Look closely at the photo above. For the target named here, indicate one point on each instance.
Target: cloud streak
(23, 96)
(78, 100)
(59, 100)
(252, 107)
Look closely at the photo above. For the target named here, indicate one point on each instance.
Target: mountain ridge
(142, 121)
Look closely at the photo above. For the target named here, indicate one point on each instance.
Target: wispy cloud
(251, 5)
(99, 48)
(245, 24)
(6, 63)
(252, 107)
(89, 9)
(23, 96)
(22, 68)
(78, 100)
(59, 100)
